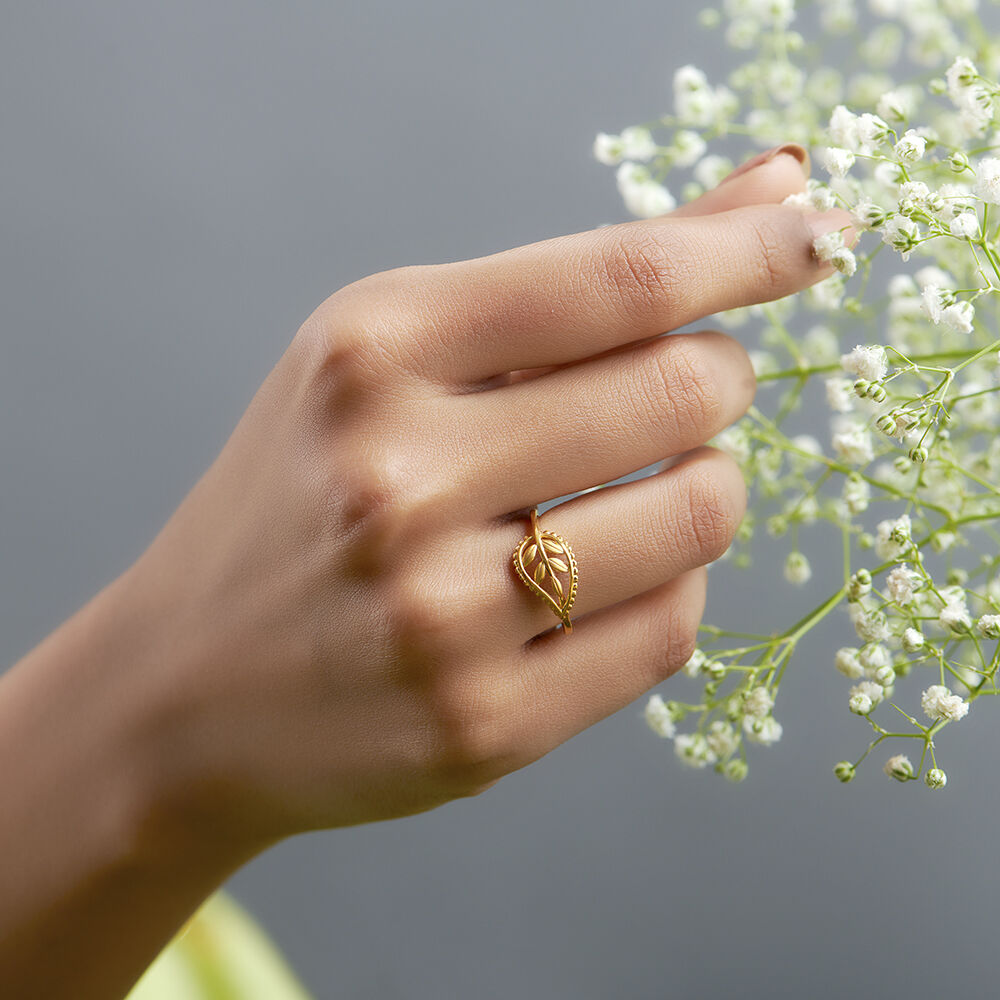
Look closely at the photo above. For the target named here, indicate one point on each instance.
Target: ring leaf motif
(539, 560)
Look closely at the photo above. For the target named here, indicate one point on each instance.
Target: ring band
(546, 564)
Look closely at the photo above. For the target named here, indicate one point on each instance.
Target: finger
(626, 539)
(767, 178)
(600, 419)
(562, 683)
(575, 296)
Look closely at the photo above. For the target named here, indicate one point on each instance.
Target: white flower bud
(910, 148)
(797, 568)
(899, 767)
(658, 717)
(885, 676)
(965, 226)
(913, 640)
(935, 778)
(695, 663)
(989, 626)
(608, 149)
(860, 704)
(844, 770)
(693, 749)
(735, 770)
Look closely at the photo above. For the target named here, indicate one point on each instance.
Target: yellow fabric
(221, 953)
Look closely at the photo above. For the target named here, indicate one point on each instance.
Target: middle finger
(601, 419)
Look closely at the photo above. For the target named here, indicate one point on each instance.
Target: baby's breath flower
(934, 301)
(965, 226)
(797, 568)
(860, 703)
(857, 494)
(758, 703)
(900, 584)
(910, 148)
(844, 770)
(765, 731)
(913, 419)
(959, 316)
(693, 749)
(608, 149)
(897, 105)
(687, 148)
(872, 131)
(722, 739)
(871, 690)
(854, 445)
(643, 196)
(866, 362)
(867, 215)
(955, 618)
(894, 537)
(859, 585)
(836, 160)
(840, 394)
(637, 143)
(935, 778)
(899, 767)
(695, 664)
(987, 184)
(870, 625)
(735, 770)
(938, 702)
(989, 626)
(847, 662)
(901, 234)
(658, 717)
(913, 640)
(711, 169)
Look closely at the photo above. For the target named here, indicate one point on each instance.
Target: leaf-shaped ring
(546, 564)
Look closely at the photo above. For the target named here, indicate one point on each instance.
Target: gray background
(183, 183)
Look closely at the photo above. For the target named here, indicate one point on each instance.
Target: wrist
(109, 843)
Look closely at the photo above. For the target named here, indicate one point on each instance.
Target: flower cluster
(909, 476)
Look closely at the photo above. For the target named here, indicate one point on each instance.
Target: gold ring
(554, 576)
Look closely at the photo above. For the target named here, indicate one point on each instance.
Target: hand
(332, 628)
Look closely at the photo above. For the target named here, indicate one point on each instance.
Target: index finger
(571, 297)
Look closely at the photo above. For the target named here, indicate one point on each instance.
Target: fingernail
(792, 149)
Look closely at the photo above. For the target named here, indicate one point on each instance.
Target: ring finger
(626, 539)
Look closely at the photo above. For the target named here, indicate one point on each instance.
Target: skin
(328, 631)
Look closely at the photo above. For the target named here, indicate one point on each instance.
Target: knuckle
(382, 501)
(683, 388)
(640, 270)
(429, 616)
(681, 634)
(769, 259)
(368, 332)
(714, 505)
(470, 735)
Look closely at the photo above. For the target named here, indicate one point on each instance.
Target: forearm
(97, 874)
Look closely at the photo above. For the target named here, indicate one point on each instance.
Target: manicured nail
(792, 149)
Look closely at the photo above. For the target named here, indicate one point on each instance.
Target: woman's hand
(336, 633)
(329, 629)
